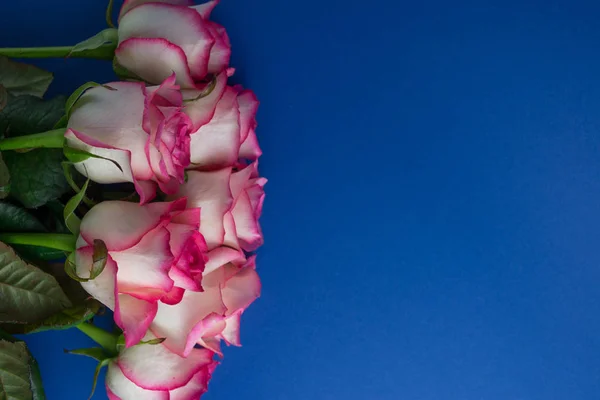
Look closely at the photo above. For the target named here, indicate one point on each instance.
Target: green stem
(53, 139)
(106, 340)
(101, 53)
(56, 241)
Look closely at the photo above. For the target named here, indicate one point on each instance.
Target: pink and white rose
(153, 372)
(142, 129)
(224, 124)
(207, 317)
(231, 202)
(161, 37)
(155, 255)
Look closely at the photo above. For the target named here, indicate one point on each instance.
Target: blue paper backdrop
(433, 209)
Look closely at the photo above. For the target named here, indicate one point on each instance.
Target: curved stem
(100, 53)
(36, 52)
(53, 139)
(105, 339)
(56, 241)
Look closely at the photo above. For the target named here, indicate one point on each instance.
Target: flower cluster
(181, 269)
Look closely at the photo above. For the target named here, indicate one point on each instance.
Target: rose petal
(130, 4)
(103, 287)
(120, 224)
(181, 26)
(241, 290)
(220, 53)
(246, 223)
(197, 386)
(205, 9)
(119, 387)
(230, 239)
(140, 55)
(154, 367)
(114, 117)
(223, 255)
(217, 144)
(98, 169)
(210, 192)
(202, 110)
(174, 296)
(144, 268)
(250, 150)
(248, 106)
(176, 322)
(134, 316)
(231, 333)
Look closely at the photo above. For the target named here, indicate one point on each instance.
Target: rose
(207, 317)
(150, 371)
(159, 37)
(155, 254)
(142, 130)
(231, 203)
(224, 125)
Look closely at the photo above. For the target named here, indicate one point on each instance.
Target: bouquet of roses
(140, 195)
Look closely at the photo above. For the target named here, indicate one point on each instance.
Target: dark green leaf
(66, 318)
(71, 219)
(16, 219)
(19, 373)
(23, 79)
(62, 122)
(3, 97)
(28, 294)
(97, 353)
(53, 218)
(107, 39)
(26, 115)
(36, 176)
(4, 179)
(35, 379)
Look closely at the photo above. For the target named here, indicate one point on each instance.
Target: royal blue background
(433, 213)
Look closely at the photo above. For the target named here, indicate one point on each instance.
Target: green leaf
(76, 156)
(23, 79)
(19, 373)
(97, 353)
(4, 179)
(107, 39)
(16, 219)
(26, 115)
(28, 294)
(62, 122)
(109, 12)
(101, 365)
(3, 97)
(71, 219)
(77, 95)
(99, 259)
(66, 318)
(36, 176)
(153, 342)
(123, 73)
